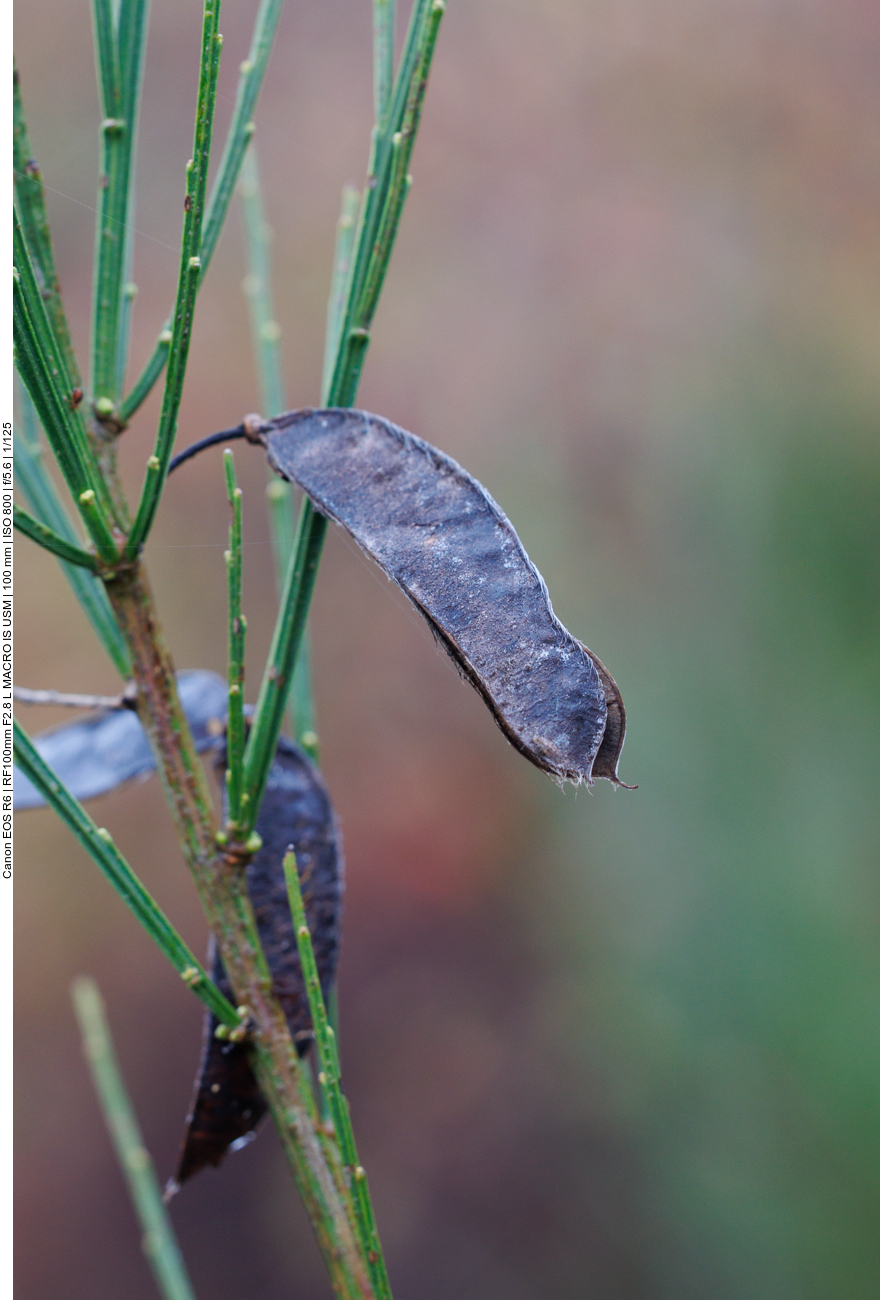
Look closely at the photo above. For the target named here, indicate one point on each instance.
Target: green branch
(100, 847)
(32, 478)
(119, 49)
(241, 129)
(328, 1078)
(237, 629)
(188, 282)
(266, 338)
(272, 699)
(32, 209)
(383, 57)
(50, 541)
(158, 1242)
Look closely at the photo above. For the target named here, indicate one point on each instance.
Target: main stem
(220, 881)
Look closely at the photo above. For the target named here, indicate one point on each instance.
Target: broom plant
(98, 537)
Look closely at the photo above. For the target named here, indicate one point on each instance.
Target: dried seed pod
(438, 534)
(102, 750)
(227, 1103)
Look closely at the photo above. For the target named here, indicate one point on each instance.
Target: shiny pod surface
(102, 750)
(227, 1104)
(439, 535)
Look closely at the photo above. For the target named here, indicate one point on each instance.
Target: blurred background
(597, 1043)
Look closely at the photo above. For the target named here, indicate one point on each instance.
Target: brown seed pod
(437, 533)
(227, 1103)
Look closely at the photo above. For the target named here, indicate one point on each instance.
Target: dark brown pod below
(438, 534)
(227, 1103)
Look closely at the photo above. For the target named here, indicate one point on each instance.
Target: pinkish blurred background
(611, 1045)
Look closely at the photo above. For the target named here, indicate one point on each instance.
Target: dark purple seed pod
(437, 533)
(227, 1103)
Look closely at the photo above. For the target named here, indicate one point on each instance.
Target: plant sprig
(32, 478)
(99, 845)
(119, 32)
(329, 1079)
(188, 281)
(32, 210)
(266, 338)
(158, 1241)
(236, 638)
(241, 129)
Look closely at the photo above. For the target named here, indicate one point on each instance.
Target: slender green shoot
(237, 629)
(383, 57)
(50, 541)
(241, 129)
(100, 847)
(266, 336)
(328, 1078)
(35, 224)
(32, 478)
(345, 231)
(159, 1242)
(265, 330)
(384, 197)
(148, 376)
(188, 282)
(381, 208)
(119, 31)
(43, 370)
(286, 640)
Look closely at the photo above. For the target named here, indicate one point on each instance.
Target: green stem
(42, 367)
(159, 1242)
(345, 232)
(237, 628)
(35, 223)
(97, 843)
(119, 44)
(289, 628)
(328, 1078)
(31, 476)
(50, 541)
(241, 129)
(266, 337)
(265, 331)
(190, 272)
(383, 57)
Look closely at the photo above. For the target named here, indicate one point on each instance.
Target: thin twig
(266, 341)
(72, 700)
(328, 1077)
(32, 207)
(98, 843)
(241, 129)
(188, 281)
(236, 639)
(159, 1242)
(31, 476)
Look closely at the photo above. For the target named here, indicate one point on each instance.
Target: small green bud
(103, 408)
(254, 842)
(105, 835)
(154, 463)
